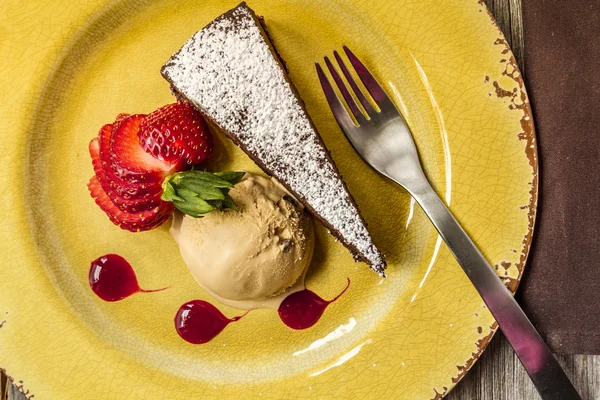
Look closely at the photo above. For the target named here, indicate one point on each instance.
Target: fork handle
(545, 372)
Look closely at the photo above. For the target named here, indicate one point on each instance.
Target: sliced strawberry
(133, 222)
(176, 133)
(120, 118)
(131, 204)
(129, 161)
(134, 205)
(109, 180)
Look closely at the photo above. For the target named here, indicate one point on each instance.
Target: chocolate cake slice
(232, 73)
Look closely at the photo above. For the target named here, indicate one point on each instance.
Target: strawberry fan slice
(133, 222)
(129, 160)
(110, 181)
(128, 181)
(129, 203)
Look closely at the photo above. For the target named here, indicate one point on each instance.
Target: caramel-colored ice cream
(253, 253)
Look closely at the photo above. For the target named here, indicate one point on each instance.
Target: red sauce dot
(198, 321)
(303, 309)
(112, 278)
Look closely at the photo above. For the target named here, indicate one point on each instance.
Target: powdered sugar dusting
(228, 70)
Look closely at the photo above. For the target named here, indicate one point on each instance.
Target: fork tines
(373, 87)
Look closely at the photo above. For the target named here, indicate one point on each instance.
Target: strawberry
(120, 118)
(133, 156)
(108, 178)
(130, 204)
(176, 133)
(134, 222)
(129, 161)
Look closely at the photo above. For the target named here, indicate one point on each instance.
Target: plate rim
(531, 151)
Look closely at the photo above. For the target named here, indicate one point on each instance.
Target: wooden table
(498, 375)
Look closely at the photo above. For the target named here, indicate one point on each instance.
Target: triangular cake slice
(232, 73)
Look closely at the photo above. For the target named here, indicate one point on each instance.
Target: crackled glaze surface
(73, 67)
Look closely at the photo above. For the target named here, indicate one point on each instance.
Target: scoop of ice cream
(253, 253)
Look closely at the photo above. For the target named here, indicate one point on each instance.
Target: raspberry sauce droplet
(112, 278)
(303, 309)
(198, 321)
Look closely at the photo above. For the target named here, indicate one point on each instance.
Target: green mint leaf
(196, 193)
(217, 204)
(195, 209)
(231, 176)
(168, 193)
(213, 179)
(204, 190)
(187, 194)
(228, 203)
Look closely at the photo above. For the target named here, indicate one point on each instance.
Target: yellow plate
(69, 67)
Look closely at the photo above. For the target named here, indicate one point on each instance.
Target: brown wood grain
(498, 375)
(2, 386)
(12, 393)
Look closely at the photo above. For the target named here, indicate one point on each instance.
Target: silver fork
(384, 141)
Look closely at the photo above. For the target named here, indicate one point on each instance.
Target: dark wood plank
(516, 32)
(3, 386)
(12, 393)
(509, 17)
(499, 375)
